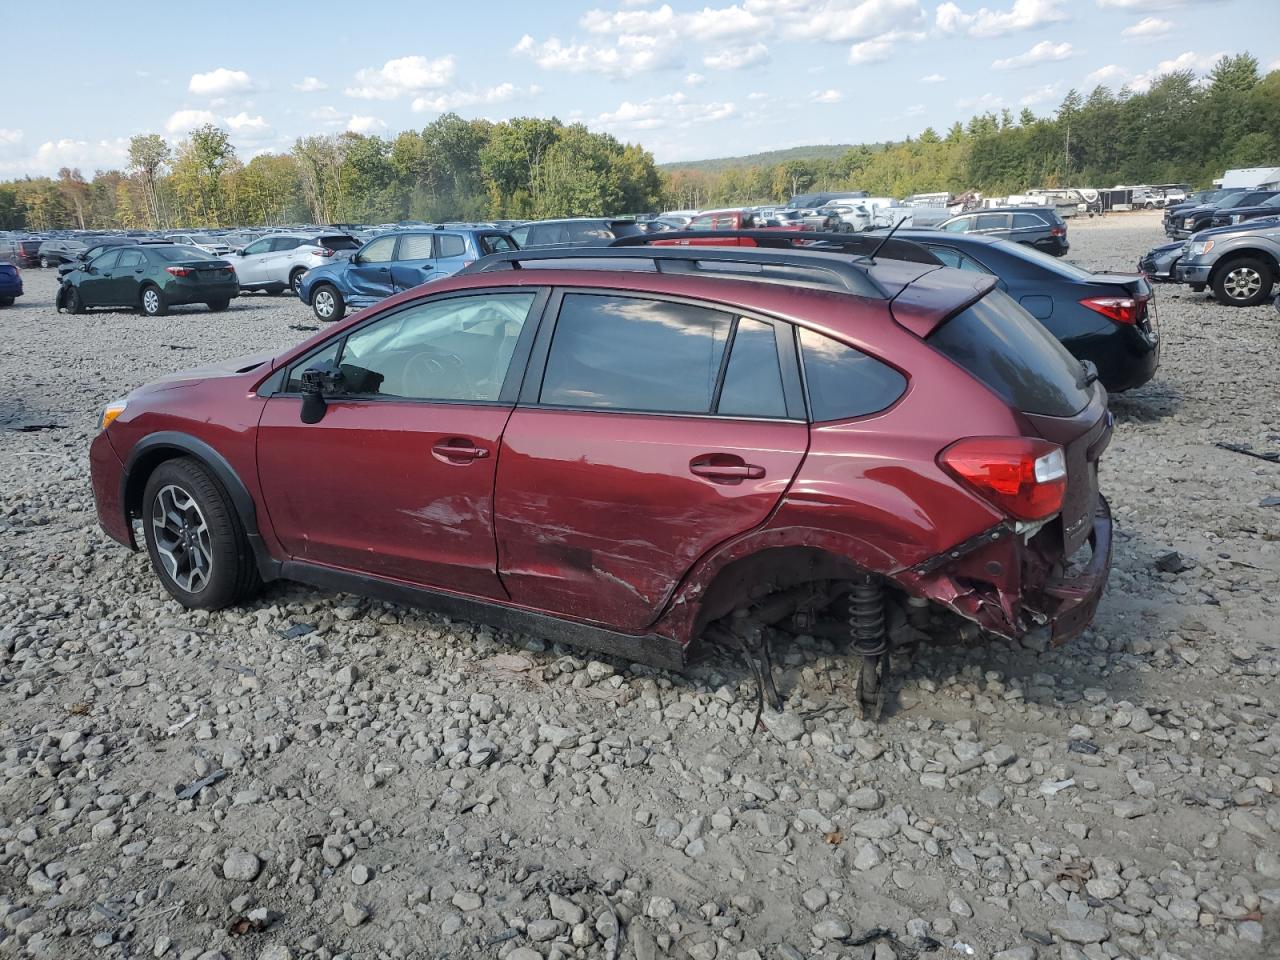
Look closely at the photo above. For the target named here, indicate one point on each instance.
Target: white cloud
(734, 21)
(840, 21)
(737, 58)
(220, 83)
(987, 101)
(629, 21)
(310, 85)
(183, 121)
(672, 111)
(933, 78)
(1111, 74)
(1042, 52)
(359, 124)
(249, 128)
(84, 155)
(826, 96)
(1149, 4)
(8, 136)
(401, 77)
(1189, 60)
(1148, 28)
(328, 115)
(1040, 95)
(706, 24)
(694, 79)
(632, 54)
(870, 51)
(454, 99)
(915, 110)
(1023, 15)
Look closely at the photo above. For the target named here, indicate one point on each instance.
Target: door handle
(725, 468)
(458, 450)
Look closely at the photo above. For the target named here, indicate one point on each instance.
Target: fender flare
(184, 444)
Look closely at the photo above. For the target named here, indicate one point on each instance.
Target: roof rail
(799, 265)
(855, 244)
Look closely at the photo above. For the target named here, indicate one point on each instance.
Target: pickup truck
(1241, 263)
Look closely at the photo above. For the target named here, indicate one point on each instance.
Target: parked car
(100, 245)
(1160, 264)
(28, 252)
(1042, 229)
(1241, 262)
(275, 263)
(10, 283)
(152, 278)
(631, 459)
(1267, 208)
(62, 250)
(395, 262)
(782, 221)
(576, 232)
(1199, 218)
(829, 220)
(1197, 199)
(209, 244)
(1106, 319)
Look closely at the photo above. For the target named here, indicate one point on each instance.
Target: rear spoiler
(933, 298)
(857, 245)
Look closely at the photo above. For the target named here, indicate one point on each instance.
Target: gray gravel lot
(396, 785)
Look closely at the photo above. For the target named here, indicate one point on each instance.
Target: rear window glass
(450, 245)
(340, 242)
(178, 254)
(1063, 268)
(844, 382)
(1007, 349)
(496, 243)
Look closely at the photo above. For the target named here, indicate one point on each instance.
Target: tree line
(1181, 129)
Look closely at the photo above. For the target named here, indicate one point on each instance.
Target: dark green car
(150, 278)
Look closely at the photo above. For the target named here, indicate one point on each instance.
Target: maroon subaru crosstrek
(632, 449)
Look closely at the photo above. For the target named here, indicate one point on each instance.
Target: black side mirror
(318, 380)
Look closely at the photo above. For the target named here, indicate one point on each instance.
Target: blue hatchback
(10, 284)
(395, 262)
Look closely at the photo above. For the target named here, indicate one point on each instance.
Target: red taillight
(1058, 232)
(179, 271)
(1024, 477)
(1120, 309)
(229, 270)
(324, 252)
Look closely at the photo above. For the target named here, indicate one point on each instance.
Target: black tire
(1243, 282)
(273, 292)
(295, 280)
(72, 301)
(217, 306)
(152, 301)
(327, 303)
(46, 262)
(208, 521)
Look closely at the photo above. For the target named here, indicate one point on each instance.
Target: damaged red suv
(632, 449)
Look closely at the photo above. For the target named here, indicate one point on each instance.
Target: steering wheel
(430, 365)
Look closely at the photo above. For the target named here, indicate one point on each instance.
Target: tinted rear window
(179, 254)
(340, 243)
(1007, 349)
(1063, 268)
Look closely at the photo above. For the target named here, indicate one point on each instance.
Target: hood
(237, 366)
(1166, 248)
(1260, 223)
(1203, 210)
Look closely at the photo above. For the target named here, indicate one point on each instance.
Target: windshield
(1232, 200)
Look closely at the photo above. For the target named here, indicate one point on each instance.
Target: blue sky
(688, 80)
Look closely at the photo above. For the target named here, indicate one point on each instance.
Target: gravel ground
(396, 785)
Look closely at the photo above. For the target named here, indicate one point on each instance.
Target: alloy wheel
(151, 301)
(1242, 283)
(182, 538)
(324, 304)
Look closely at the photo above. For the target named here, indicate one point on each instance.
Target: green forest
(1182, 129)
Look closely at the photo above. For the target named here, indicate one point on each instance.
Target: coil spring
(866, 618)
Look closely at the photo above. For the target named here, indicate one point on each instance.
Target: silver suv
(1241, 262)
(276, 262)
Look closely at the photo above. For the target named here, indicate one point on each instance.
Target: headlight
(1236, 218)
(1201, 247)
(1189, 222)
(110, 412)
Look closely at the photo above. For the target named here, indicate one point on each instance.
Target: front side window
(379, 251)
(844, 382)
(627, 353)
(456, 349)
(258, 246)
(959, 226)
(415, 246)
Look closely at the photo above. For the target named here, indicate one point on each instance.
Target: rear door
(451, 254)
(649, 431)
(991, 224)
(126, 288)
(369, 271)
(414, 262)
(1028, 228)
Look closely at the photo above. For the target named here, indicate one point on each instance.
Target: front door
(249, 265)
(96, 287)
(369, 273)
(396, 480)
(659, 430)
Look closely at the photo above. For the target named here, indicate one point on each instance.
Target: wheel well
(1247, 254)
(296, 271)
(140, 472)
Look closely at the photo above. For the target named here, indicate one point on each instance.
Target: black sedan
(1107, 319)
(149, 278)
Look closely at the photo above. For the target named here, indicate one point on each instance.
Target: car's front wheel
(327, 303)
(153, 304)
(72, 301)
(196, 542)
(1243, 283)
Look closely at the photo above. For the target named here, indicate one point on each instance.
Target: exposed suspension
(867, 637)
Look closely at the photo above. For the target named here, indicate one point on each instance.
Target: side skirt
(650, 649)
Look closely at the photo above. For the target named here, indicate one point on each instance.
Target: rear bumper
(178, 294)
(1077, 597)
(11, 289)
